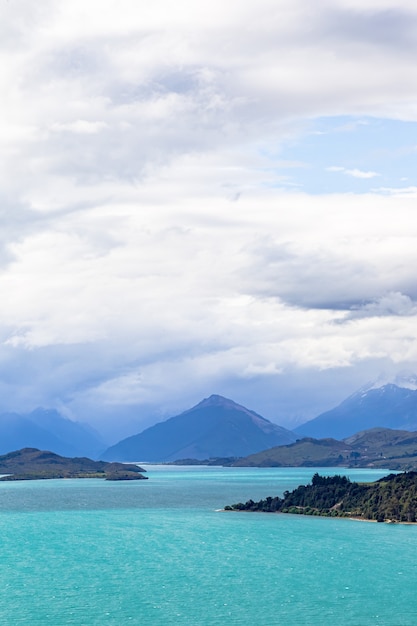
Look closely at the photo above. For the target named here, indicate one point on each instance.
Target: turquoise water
(158, 552)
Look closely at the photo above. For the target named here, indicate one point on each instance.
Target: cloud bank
(172, 224)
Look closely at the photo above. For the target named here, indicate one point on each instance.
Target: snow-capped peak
(405, 380)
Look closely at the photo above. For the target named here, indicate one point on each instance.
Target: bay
(159, 552)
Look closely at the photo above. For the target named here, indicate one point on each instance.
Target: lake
(157, 552)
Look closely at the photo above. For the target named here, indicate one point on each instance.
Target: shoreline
(346, 517)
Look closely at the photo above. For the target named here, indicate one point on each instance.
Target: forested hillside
(392, 498)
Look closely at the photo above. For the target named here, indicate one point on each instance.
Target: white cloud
(80, 126)
(149, 240)
(361, 174)
(389, 304)
(410, 192)
(356, 173)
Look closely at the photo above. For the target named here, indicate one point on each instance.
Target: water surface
(158, 552)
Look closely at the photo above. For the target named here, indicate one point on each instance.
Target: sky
(202, 198)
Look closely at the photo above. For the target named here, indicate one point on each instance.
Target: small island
(34, 464)
(389, 499)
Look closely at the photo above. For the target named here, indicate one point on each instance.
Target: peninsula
(392, 498)
(34, 464)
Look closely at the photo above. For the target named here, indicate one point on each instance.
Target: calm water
(157, 552)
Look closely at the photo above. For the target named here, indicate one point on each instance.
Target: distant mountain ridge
(216, 427)
(47, 429)
(387, 406)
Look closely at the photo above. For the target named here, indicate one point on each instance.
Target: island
(389, 499)
(34, 464)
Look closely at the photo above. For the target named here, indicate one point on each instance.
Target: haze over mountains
(216, 427)
(47, 429)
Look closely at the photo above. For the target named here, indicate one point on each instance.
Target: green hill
(377, 447)
(393, 498)
(305, 452)
(33, 464)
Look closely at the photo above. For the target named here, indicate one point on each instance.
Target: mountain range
(47, 429)
(391, 405)
(216, 427)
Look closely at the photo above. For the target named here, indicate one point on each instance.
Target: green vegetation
(305, 452)
(377, 447)
(224, 461)
(392, 498)
(33, 464)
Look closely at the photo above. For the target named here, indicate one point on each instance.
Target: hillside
(306, 452)
(389, 406)
(33, 464)
(216, 427)
(377, 447)
(393, 498)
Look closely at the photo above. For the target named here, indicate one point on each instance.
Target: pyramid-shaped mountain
(388, 406)
(216, 427)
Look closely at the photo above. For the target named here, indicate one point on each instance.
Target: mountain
(47, 429)
(216, 427)
(33, 464)
(377, 447)
(392, 405)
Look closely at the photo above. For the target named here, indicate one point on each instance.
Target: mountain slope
(305, 452)
(47, 430)
(81, 438)
(216, 427)
(377, 447)
(389, 406)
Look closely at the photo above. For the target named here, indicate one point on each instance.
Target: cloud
(155, 244)
(410, 192)
(379, 25)
(360, 174)
(356, 173)
(335, 255)
(389, 304)
(82, 127)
